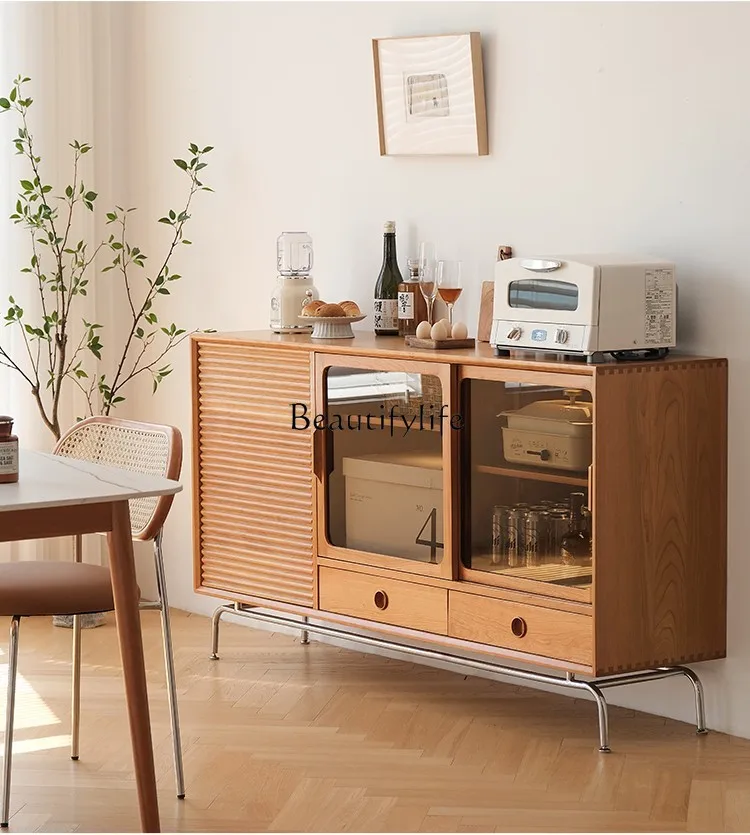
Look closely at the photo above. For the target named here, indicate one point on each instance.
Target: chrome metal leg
(305, 635)
(10, 709)
(75, 712)
(75, 723)
(215, 620)
(601, 708)
(700, 705)
(161, 584)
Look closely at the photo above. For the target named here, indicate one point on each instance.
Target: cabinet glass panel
(385, 462)
(527, 454)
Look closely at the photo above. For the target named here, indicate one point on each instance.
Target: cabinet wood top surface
(365, 343)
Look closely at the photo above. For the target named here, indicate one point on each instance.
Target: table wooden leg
(125, 590)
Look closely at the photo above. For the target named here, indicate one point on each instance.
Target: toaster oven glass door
(526, 521)
(542, 294)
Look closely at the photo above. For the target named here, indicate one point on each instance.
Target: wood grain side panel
(387, 601)
(253, 473)
(659, 514)
(531, 629)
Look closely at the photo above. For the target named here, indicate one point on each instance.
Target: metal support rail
(593, 687)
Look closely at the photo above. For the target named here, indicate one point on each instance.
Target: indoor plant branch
(61, 270)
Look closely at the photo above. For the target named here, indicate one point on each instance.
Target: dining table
(58, 496)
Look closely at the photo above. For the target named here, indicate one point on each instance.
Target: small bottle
(8, 451)
(386, 289)
(575, 546)
(412, 307)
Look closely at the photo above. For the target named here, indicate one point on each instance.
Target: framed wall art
(430, 95)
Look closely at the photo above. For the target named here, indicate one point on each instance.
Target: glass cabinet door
(526, 456)
(385, 489)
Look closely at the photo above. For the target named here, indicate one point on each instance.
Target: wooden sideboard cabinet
(367, 484)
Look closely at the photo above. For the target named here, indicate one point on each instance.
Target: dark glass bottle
(386, 289)
(575, 546)
(412, 308)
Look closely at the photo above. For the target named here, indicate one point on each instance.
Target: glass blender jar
(294, 284)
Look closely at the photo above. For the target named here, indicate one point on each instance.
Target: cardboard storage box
(394, 505)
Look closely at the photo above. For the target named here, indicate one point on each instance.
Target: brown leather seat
(54, 588)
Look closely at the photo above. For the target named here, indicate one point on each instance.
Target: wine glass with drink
(449, 284)
(427, 282)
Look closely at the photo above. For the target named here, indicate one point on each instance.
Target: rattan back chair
(144, 448)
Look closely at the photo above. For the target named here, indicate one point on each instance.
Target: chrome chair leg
(75, 712)
(304, 635)
(161, 584)
(10, 709)
(75, 724)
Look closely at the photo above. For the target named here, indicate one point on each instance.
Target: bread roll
(350, 308)
(311, 308)
(326, 310)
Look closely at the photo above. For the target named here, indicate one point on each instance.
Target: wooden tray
(439, 344)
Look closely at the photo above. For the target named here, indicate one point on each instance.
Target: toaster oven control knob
(514, 333)
(561, 336)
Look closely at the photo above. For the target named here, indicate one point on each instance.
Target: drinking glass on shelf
(449, 284)
(427, 282)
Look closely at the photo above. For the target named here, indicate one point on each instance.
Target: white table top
(54, 481)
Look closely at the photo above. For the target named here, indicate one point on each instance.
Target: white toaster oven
(585, 305)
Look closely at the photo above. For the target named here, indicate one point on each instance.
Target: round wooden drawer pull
(381, 600)
(518, 627)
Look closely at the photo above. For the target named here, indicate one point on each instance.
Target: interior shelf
(536, 474)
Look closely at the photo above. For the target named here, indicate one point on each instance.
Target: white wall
(612, 127)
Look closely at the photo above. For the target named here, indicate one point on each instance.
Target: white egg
(460, 331)
(423, 330)
(447, 326)
(438, 332)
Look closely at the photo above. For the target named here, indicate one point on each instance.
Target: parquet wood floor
(283, 737)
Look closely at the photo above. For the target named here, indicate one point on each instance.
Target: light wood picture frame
(430, 95)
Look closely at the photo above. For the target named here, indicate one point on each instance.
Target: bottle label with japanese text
(406, 305)
(386, 315)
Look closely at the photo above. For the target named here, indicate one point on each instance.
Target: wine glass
(449, 284)
(427, 283)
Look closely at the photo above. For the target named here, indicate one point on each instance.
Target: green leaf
(193, 148)
(13, 94)
(187, 243)
(165, 220)
(111, 216)
(180, 163)
(90, 196)
(163, 291)
(27, 185)
(207, 149)
(4, 103)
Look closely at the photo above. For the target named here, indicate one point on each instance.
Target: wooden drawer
(534, 629)
(388, 601)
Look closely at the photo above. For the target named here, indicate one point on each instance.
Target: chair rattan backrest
(140, 447)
